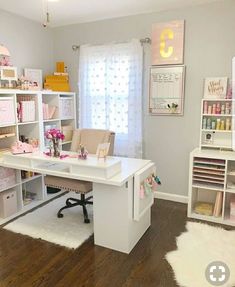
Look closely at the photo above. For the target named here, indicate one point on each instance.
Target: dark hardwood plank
(28, 262)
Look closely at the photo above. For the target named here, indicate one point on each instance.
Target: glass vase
(56, 150)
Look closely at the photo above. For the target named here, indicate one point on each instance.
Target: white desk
(120, 216)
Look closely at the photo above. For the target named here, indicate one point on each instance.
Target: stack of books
(48, 111)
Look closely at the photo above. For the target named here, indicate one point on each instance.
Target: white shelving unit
(212, 171)
(11, 131)
(216, 124)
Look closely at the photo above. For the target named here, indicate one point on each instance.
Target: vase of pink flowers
(55, 135)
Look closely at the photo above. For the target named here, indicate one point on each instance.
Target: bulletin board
(166, 90)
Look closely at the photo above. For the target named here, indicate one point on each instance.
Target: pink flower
(54, 134)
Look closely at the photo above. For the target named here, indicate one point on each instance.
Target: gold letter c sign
(166, 33)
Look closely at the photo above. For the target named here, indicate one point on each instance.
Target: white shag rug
(200, 245)
(69, 231)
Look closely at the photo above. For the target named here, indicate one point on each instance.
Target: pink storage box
(7, 177)
(8, 203)
(7, 113)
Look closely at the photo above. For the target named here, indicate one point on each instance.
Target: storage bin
(66, 108)
(7, 177)
(68, 132)
(7, 112)
(8, 203)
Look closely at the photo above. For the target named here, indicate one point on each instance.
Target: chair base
(71, 202)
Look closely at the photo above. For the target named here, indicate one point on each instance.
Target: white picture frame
(34, 76)
(102, 150)
(208, 138)
(8, 73)
(166, 90)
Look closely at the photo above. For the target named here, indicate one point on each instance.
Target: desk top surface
(128, 166)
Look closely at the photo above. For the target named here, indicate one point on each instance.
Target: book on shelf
(48, 111)
(218, 204)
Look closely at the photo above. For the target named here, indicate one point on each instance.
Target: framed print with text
(166, 90)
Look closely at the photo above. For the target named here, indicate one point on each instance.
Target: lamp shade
(4, 51)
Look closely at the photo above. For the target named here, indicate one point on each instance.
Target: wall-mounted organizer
(25, 115)
(216, 124)
(212, 186)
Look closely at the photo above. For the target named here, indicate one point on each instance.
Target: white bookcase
(11, 131)
(216, 124)
(212, 171)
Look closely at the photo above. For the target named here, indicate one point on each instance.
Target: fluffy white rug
(197, 248)
(69, 231)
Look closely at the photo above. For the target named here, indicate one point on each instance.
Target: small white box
(8, 203)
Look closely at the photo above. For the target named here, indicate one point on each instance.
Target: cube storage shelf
(212, 182)
(32, 126)
(216, 124)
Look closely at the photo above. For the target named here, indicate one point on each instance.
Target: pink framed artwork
(168, 43)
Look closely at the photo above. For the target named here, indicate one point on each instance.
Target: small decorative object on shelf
(19, 147)
(55, 135)
(102, 150)
(82, 153)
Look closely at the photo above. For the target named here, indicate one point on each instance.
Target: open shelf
(32, 130)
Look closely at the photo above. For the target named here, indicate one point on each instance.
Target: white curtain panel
(110, 93)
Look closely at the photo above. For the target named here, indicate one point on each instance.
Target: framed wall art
(215, 88)
(34, 76)
(166, 90)
(168, 43)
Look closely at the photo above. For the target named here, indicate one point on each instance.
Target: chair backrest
(91, 138)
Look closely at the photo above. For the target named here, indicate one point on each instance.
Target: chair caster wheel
(86, 220)
(60, 215)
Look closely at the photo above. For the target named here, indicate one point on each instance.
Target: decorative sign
(168, 43)
(215, 88)
(166, 95)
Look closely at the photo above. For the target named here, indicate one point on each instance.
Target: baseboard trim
(171, 197)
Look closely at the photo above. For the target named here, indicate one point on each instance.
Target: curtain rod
(142, 41)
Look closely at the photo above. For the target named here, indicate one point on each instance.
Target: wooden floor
(28, 262)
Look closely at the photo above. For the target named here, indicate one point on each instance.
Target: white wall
(209, 47)
(30, 45)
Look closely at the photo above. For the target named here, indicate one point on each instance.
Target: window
(110, 89)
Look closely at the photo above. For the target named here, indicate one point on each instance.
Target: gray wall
(209, 48)
(30, 45)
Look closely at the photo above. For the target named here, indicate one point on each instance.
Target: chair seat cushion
(70, 184)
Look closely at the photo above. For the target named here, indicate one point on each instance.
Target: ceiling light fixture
(46, 20)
